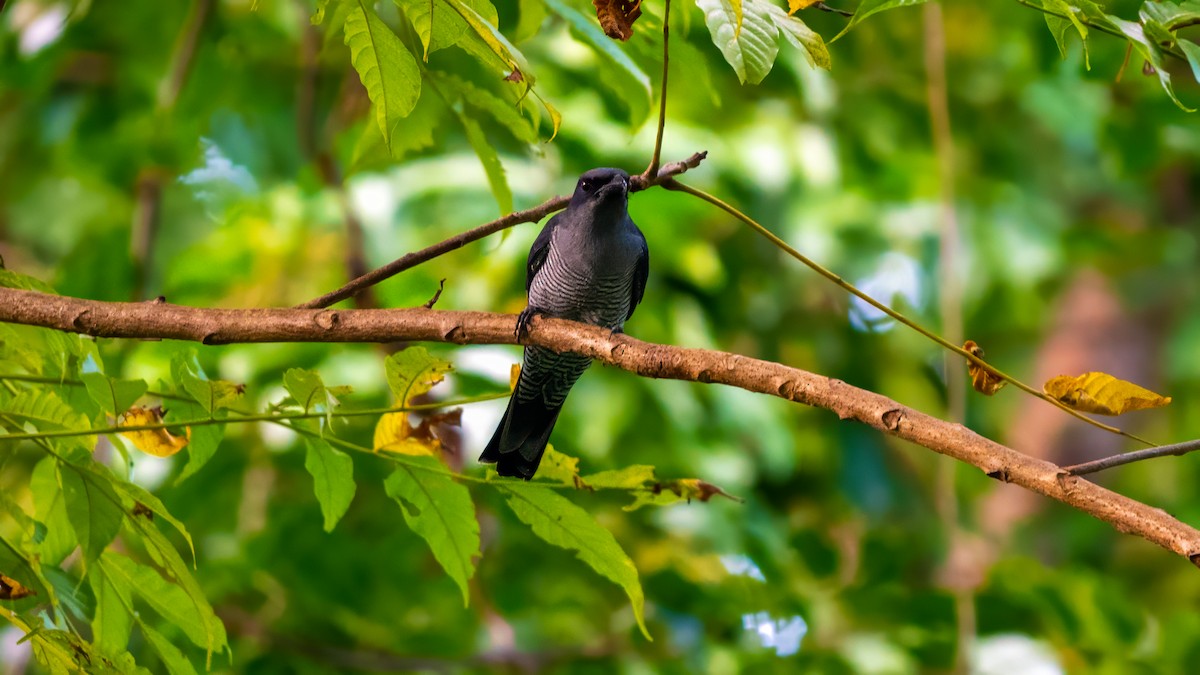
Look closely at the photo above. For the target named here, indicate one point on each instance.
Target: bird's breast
(584, 285)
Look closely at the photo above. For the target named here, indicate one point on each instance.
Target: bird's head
(602, 190)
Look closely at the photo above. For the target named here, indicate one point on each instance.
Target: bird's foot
(523, 321)
(613, 332)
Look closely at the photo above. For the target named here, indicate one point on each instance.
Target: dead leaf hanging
(1102, 394)
(617, 16)
(157, 442)
(985, 380)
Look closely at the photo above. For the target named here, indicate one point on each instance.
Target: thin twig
(662, 96)
(244, 418)
(782, 245)
(458, 241)
(826, 8)
(437, 295)
(142, 320)
(1175, 449)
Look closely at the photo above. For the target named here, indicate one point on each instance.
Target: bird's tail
(520, 440)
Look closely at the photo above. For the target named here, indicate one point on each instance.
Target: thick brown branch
(533, 215)
(162, 320)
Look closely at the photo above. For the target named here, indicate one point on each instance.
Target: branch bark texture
(160, 320)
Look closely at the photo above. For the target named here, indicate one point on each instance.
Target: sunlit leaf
(1102, 394)
(441, 512)
(750, 51)
(333, 479)
(158, 442)
(627, 478)
(414, 371)
(385, 66)
(984, 380)
(559, 522)
(510, 56)
(798, 34)
(559, 468)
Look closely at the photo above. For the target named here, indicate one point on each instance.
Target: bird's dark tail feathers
(520, 439)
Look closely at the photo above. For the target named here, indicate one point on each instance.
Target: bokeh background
(235, 174)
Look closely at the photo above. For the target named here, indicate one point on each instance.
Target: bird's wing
(641, 272)
(539, 252)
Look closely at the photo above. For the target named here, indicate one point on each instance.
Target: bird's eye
(587, 184)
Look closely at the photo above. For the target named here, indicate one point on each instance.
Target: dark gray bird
(589, 264)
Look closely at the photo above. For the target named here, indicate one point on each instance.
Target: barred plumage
(588, 264)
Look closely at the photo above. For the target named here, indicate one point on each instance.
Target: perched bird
(589, 264)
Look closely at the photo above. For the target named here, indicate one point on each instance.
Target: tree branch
(213, 326)
(533, 215)
(1175, 449)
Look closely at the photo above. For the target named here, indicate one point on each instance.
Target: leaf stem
(847, 286)
(266, 417)
(1097, 26)
(652, 170)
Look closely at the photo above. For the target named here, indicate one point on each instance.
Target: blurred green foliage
(239, 173)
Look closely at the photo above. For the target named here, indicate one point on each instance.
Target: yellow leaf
(797, 5)
(985, 380)
(157, 442)
(394, 433)
(559, 468)
(1102, 394)
(514, 374)
(11, 589)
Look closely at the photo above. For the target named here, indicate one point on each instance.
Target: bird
(589, 264)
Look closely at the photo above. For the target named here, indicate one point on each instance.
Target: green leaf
(385, 66)
(561, 523)
(558, 468)
(414, 371)
(621, 479)
(1192, 51)
(203, 626)
(870, 7)
(490, 161)
(418, 128)
(531, 14)
(45, 410)
(172, 658)
(51, 510)
(798, 33)
(1058, 28)
(441, 512)
(306, 387)
(333, 479)
(113, 621)
(138, 495)
(204, 439)
(635, 85)
(752, 50)
(510, 56)
(112, 395)
(505, 113)
(170, 601)
(14, 564)
(438, 25)
(93, 509)
(1172, 15)
(1150, 51)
